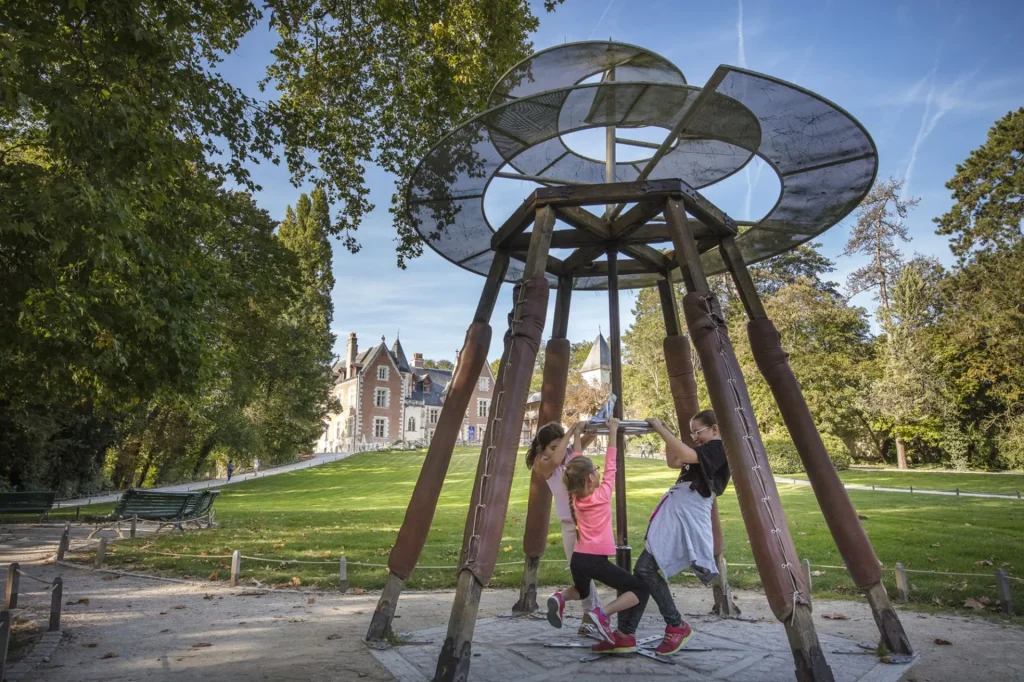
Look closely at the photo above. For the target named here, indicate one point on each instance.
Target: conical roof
(600, 356)
(400, 360)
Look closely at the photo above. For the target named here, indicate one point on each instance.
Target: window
(352, 396)
(380, 397)
(382, 373)
(412, 424)
(433, 416)
(380, 427)
(337, 431)
(482, 406)
(481, 431)
(485, 384)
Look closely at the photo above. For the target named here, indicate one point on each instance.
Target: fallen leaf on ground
(111, 577)
(816, 574)
(207, 597)
(943, 642)
(983, 562)
(90, 645)
(972, 603)
(835, 616)
(296, 582)
(507, 548)
(215, 576)
(178, 606)
(109, 654)
(80, 601)
(334, 636)
(163, 613)
(165, 630)
(358, 590)
(311, 601)
(800, 532)
(201, 645)
(935, 545)
(984, 600)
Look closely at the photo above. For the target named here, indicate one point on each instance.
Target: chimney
(350, 353)
(417, 360)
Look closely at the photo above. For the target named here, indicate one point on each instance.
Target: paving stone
(512, 650)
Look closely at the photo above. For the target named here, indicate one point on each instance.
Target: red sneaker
(620, 644)
(603, 624)
(676, 636)
(556, 609)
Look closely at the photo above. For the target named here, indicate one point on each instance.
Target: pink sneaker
(620, 644)
(603, 624)
(676, 636)
(556, 609)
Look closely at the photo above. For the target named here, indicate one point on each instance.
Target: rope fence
(12, 595)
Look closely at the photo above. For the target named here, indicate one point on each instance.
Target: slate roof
(600, 356)
(399, 354)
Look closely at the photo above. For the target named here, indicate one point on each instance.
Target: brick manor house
(385, 400)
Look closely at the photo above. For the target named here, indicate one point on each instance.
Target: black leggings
(587, 567)
(646, 570)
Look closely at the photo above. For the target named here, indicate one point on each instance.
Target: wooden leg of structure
(623, 552)
(485, 522)
(836, 506)
(765, 520)
(552, 399)
(420, 513)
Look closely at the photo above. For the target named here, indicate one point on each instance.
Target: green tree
(379, 82)
(987, 190)
(879, 224)
(802, 263)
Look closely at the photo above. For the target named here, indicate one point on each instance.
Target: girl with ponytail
(590, 507)
(548, 455)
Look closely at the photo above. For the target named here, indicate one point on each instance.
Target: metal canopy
(825, 160)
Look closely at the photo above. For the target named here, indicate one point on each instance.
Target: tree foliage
(987, 190)
(879, 224)
(379, 82)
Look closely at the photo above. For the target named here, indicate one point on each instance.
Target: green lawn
(1007, 484)
(354, 507)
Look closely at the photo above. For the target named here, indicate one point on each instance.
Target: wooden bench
(165, 508)
(28, 503)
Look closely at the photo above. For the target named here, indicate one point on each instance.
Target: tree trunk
(204, 452)
(901, 454)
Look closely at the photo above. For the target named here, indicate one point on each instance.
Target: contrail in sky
(740, 49)
(603, 15)
(741, 58)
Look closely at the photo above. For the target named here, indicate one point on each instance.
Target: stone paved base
(512, 650)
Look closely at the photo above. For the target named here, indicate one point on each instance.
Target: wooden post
(11, 600)
(1003, 589)
(807, 573)
(236, 566)
(622, 550)
(493, 480)
(56, 597)
(423, 503)
(840, 516)
(902, 588)
(5, 640)
(342, 575)
(101, 552)
(65, 542)
(78, 512)
(135, 522)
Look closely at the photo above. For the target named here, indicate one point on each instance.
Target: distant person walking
(231, 469)
(256, 465)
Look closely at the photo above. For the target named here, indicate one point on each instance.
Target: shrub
(1010, 443)
(784, 459)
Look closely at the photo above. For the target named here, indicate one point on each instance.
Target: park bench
(166, 508)
(27, 503)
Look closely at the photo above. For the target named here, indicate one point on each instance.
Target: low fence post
(1003, 589)
(65, 541)
(342, 575)
(78, 512)
(5, 639)
(101, 552)
(55, 601)
(11, 599)
(236, 566)
(135, 522)
(901, 583)
(807, 573)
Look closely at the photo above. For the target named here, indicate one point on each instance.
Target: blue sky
(926, 78)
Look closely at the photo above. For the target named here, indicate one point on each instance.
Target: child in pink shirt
(590, 501)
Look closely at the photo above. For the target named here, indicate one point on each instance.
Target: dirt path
(142, 629)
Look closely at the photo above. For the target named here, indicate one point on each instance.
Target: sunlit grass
(1007, 484)
(355, 507)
